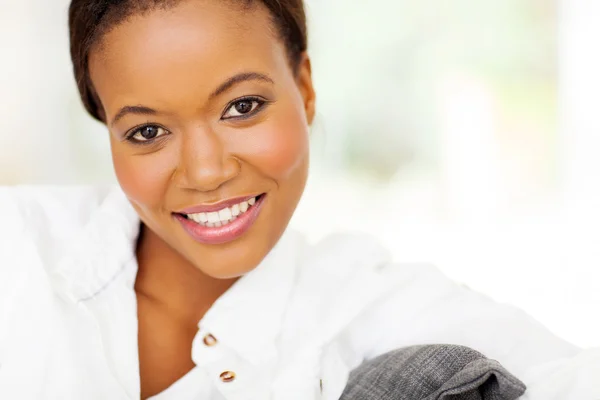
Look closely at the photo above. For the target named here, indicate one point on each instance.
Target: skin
(172, 61)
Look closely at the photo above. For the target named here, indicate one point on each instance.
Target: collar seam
(107, 283)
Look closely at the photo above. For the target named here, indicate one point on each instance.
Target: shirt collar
(101, 251)
(249, 316)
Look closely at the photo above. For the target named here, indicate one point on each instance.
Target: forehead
(193, 46)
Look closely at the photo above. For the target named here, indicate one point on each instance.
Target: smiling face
(205, 112)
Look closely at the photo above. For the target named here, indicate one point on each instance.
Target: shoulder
(44, 219)
(424, 306)
(38, 224)
(339, 277)
(72, 202)
(343, 256)
(346, 261)
(43, 207)
(378, 305)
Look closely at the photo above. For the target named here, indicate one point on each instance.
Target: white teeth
(224, 216)
(213, 217)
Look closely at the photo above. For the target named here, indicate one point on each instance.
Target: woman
(184, 283)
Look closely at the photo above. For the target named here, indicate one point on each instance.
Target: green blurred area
(379, 67)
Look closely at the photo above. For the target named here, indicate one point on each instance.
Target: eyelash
(252, 99)
(129, 136)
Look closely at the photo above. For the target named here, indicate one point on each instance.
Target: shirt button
(227, 376)
(209, 340)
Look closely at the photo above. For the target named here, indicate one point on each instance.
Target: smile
(222, 217)
(221, 223)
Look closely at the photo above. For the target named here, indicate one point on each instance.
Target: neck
(171, 281)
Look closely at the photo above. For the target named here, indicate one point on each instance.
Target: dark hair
(89, 20)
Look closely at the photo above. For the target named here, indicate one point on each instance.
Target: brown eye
(146, 134)
(149, 132)
(243, 108)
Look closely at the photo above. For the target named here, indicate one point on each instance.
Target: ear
(305, 84)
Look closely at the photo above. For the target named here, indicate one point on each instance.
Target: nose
(205, 164)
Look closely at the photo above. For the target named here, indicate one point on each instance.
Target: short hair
(90, 20)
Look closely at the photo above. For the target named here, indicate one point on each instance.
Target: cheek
(143, 178)
(280, 145)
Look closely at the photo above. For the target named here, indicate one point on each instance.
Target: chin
(231, 260)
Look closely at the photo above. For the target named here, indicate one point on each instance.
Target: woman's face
(206, 117)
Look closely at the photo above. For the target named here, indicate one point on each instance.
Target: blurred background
(463, 134)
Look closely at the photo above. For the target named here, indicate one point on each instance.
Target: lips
(205, 208)
(222, 216)
(221, 222)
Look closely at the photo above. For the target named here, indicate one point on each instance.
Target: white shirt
(291, 329)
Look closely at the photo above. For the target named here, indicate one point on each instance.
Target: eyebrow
(224, 87)
(239, 78)
(136, 110)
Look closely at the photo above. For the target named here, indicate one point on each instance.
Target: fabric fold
(432, 372)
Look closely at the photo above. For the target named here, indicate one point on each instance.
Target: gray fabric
(432, 372)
